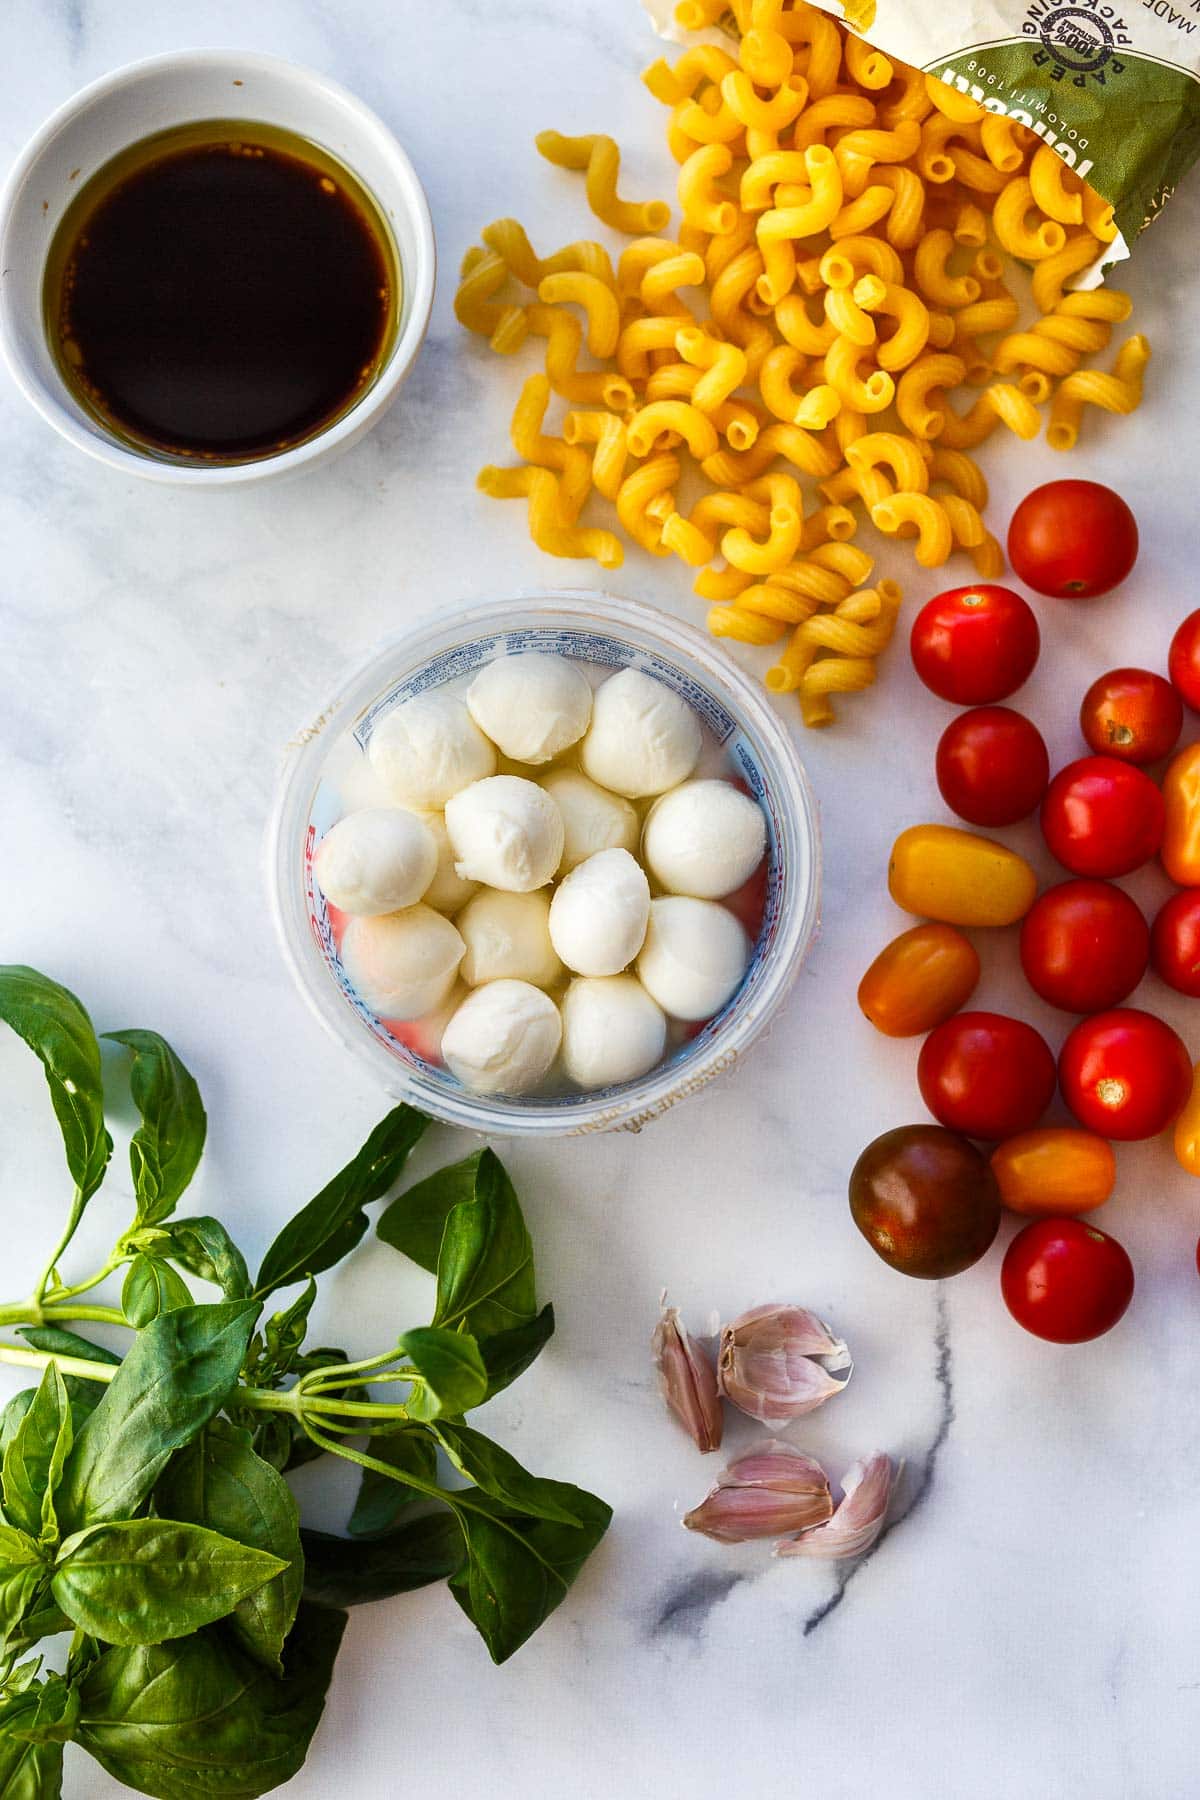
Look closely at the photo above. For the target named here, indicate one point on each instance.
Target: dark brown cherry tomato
(1131, 714)
(925, 1200)
(986, 1075)
(992, 766)
(1102, 817)
(1183, 662)
(1175, 943)
(1066, 1281)
(1073, 539)
(1084, 946)
(973, 645)
(1125, 1074)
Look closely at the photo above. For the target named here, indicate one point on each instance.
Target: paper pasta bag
(1113, 89)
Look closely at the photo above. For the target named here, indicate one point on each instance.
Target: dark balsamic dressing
(221, 293)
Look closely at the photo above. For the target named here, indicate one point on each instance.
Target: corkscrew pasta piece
(923, 515)
(854, 633)
(541, 488)
(598, 300)
(1118, 392)
(600, 158)
(483, 274)
(657, 475)
(607, 432)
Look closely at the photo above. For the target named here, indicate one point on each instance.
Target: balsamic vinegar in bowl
(221, 293)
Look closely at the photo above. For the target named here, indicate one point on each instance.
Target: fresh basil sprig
(143, 1502)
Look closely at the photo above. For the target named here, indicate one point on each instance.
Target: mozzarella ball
(447, 892)
(704, 839)
(403, 964)
(592, 818)
(507, 936)
(503, 1039)
(375, 861)
(598, 915)
(694, 956)
(532, 707)
(612, 1030)
(643, 738)
(506, 833)
(429, 748)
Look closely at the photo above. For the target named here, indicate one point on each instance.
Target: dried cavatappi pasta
(824, 341)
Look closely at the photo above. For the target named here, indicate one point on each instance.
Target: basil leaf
(381, 1500)
(284, 1332)
(194, 1718)
(168, 1143)
(218, 1481)
(205, 1249)
(151, 1287)
(485, 1274)
(501, 1475)
(453, 1378)
(414, 1223)
(27, 1771)
(509, 1353)
(517, 1570)
(53, 1717)
(11, 1417)
(331, 1225)
(343, 1572)
(58, 1341)
(143, 1581)
(33, 1461)
(59, 1032)
(23, 1573)
(178, 1373)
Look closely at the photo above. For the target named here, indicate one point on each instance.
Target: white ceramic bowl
(155, 95)
(616, 634)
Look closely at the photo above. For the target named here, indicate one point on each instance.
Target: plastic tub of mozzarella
(602, 635)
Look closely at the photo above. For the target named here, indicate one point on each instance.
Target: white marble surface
(1028, 1627)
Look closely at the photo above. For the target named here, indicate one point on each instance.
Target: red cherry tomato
(1084, 946)
(1065, 1280)
(1125, 1074)
(973, 645)
(1183, 660)
(1102, 817)
(1073, 539)
(1175, 943)
(986, 1075)
(992, 766)
(1131, 714)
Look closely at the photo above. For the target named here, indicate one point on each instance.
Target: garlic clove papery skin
(778, 1362)
(867, 1490)
(687, 1381)
(774, 1489)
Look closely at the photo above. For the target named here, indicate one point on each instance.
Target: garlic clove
(687, 1381)
(867, 1490)
(778, 1362)
(771, 1491)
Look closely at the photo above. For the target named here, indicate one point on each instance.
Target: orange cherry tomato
(1054, 1172)
(1181, 833)
(1187, 1132)
(919, 980)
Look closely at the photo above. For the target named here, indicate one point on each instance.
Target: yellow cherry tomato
(939, 872)
(919, 980)
(1181, 828)
(1187, 1129)
(1054, 1172)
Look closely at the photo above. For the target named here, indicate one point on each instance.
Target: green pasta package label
(1113, 89)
